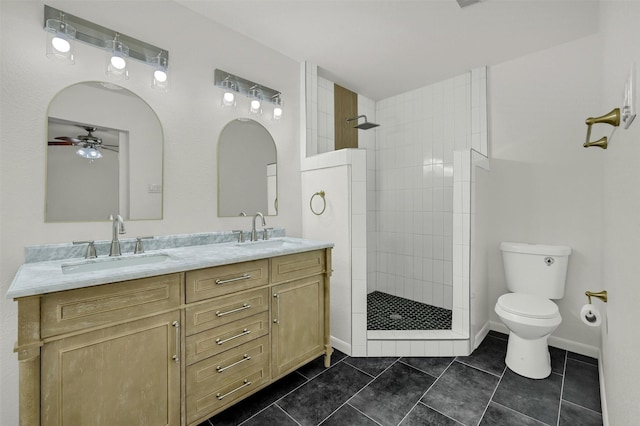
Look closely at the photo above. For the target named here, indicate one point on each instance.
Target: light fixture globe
(230, 88)
(89, 153)
(255, 96)
(117, 53)
(160, 73)
(60, 40)
(276, 100)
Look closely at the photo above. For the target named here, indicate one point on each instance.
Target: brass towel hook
(612, 118)
(602, 295)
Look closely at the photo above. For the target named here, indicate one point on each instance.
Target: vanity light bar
(243, 86)
(98, 36)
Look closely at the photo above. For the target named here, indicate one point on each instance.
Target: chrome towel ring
(324, 201)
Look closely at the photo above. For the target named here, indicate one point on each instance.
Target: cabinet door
(120, 375)
(297, 328)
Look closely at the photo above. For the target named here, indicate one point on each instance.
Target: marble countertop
(47, 277)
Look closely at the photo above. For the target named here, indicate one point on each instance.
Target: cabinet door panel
(297, 330)
(122, 375)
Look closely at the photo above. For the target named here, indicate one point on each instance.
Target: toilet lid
(528, 305)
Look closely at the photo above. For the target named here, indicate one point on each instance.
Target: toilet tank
(538, 269)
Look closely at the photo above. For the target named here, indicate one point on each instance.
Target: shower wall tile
(415, 188)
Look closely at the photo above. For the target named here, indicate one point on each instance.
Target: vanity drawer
(73, 310)
(207, 393)
(217, 340)
(220, 280)
(223, 310)
(298, 265)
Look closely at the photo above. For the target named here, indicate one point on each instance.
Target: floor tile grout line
(430, 408)
(347, 403)
(581, 362)
(427, 391)
(521, 413)
(291, 391)
(581, 406)
(492, 395)
(287, 414)
(369, 374)
(359, 390)
(422, 371)
(564, 373)
(363, 413)
(478, 368)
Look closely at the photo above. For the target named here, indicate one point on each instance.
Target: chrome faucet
(254, 234)
(118, 228)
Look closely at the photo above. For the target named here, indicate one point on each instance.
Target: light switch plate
(629, 104)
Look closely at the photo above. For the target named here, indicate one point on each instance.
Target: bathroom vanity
(177, 341)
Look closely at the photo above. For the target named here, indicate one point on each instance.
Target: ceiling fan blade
(112, 146)
(60, 143)
(68, 139)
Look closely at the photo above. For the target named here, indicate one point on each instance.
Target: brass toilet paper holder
(602, 295)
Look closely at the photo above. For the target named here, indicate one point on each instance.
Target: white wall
(621, 200)
(190, 114)
(545, 187)
(341, 175)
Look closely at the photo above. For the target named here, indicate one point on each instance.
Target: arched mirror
(247, 170)
(104, 155)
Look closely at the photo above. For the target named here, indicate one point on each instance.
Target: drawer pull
(244, 333)
(276, 320)
(244, 385)
(231, 280)
(176, 326)
(245, 357)
(243, 307)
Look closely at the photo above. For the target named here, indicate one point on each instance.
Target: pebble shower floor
(387, 312)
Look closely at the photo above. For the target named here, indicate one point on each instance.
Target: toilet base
(528, 358)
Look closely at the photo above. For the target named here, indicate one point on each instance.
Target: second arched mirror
(247, 170)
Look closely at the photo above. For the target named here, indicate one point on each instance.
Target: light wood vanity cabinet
(173, 349)
(111, 354)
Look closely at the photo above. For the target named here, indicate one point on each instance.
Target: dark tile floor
(472, 390)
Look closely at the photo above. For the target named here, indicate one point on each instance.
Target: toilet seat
(528, 305)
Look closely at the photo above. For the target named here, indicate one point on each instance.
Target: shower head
(363, 126)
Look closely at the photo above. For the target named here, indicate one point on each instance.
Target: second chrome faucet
(118, 228)
(254, 234)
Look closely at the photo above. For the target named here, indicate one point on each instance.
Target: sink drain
(395, 316)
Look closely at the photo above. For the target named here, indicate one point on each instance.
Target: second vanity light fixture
(258, 95)
(63, 29)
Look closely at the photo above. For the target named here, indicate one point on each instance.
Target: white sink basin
(265, 244)
(110, 263)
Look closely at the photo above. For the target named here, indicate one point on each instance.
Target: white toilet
(535, 273)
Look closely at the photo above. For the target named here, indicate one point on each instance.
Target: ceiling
(380, 48)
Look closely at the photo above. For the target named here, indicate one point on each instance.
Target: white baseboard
(603, 394)
(558, 342)
(341, 345)
(481, 335)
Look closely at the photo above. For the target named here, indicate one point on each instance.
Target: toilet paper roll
(590, 315)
